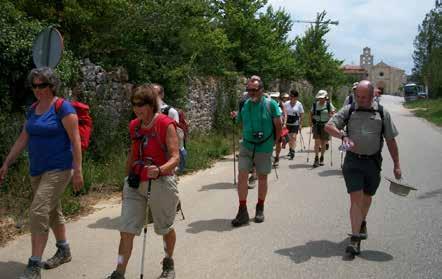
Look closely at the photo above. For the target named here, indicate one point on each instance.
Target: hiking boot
(363, 232)
(316, 163)
(276, 162)
(354, 248)
(259, 216)
(32, 271)
(321, 161)
(115, 275)
(168, 269)
(252, 181)
(63, 255)
(242, 217)
(291, 154)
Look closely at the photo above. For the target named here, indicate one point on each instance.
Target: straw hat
(399, 187)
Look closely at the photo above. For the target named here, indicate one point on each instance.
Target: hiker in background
(350, 99)
(368, 123)
(276, 97)
(295, 114)
(153, 158)
(258, 116)
(377, 95)
(54, 147)
(321, 111)
(181, 124)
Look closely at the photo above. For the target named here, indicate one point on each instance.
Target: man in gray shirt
(368, 123)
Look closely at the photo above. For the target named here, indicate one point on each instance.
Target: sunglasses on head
(40, 85)
(138, 104)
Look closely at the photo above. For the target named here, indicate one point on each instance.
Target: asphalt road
(305, 232)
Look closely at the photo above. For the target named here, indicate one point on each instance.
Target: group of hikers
(150, 193)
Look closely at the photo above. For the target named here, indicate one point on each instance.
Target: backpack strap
(328, 106)
(165, 110)
(350, 99)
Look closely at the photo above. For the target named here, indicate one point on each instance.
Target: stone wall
(207, 98)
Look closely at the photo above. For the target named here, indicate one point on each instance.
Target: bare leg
(262, 186)
(124, 251)
(59, 232)
(38, 243)
(366, 203)
(242, 185)
(170, 240)
(356, 211)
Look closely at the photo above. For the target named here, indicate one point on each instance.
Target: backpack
(350, 99)
(85, 125)
(380, 110)
(182, 124)
(318, 112)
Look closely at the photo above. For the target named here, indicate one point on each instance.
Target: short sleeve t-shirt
(322, 114)
(293, 112)
(49, 145)
(258, 118)
(153, 142)
(364, 128)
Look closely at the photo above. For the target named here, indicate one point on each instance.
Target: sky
(388, 27)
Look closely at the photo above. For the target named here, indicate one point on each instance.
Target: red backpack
(85, 125)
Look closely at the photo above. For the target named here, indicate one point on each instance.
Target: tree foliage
(319, 66)
(428, 52)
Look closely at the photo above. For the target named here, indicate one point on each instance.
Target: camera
(133, 180)
(258, 135)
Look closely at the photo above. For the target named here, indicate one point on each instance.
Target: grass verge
(430, 109)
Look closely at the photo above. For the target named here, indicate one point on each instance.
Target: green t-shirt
(255, 118)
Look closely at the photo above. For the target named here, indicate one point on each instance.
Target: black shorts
(293, 129)
(362, 174)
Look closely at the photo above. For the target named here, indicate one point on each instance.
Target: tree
(427, 55)
(320, 68)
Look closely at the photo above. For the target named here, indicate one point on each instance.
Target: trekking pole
(145, 229)
(342, 155)
(276, 173)
(301, 139)
(331, 151)
(309, 140)
(234, 152)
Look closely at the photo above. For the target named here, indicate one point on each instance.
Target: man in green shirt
(261, 123)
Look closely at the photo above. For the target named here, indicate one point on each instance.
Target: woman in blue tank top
(52, 139)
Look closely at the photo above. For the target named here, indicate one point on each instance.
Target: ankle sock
(62, 243)
(35, 259)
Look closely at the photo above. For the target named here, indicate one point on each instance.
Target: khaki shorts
(162, 206)
(47, 190)
(262, 161)
(319, 132)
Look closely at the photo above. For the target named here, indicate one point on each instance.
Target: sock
(260, 202)
(355, 235)
(35, 259)
(62, 243)
(243, 203)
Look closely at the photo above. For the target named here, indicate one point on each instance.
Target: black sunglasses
(40, 85)
(252, 90)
